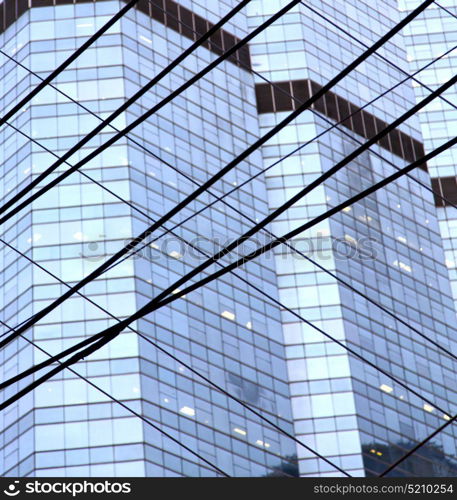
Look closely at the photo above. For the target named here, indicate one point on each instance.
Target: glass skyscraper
(388, 247)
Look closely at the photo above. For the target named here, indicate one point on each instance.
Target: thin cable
(38, 367)
(446, 9)
(44, 364)
(419, 445)
(152, 83)
(308, 225)
(67, 62)
(130, 410)
(259, 290)
(206, 185)
(135, 123)
(282, 91)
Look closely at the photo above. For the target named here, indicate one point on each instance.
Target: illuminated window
(228, 315)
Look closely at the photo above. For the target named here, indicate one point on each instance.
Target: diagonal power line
(352, 288)
(418, 446)
(302, 193)
(259, 290)
(146, 420)
(105, 336)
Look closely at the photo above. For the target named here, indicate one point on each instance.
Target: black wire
(419, 445)
(349, 286)
(102, 338)
(269, 246)
(67, 62)
(341, 344)
(446, 10)
(206, 185)
(130, 410)
(286, 93)
(136, 122)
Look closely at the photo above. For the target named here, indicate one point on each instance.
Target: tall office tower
(227, 331)
(432, 35)
(388, 247)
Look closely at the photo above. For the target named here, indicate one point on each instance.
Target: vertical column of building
(428, 37)
(71, 429)
(387, 246)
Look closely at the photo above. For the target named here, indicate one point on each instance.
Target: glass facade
(389, 247)
(67, 427)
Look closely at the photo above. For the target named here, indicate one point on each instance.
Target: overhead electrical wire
(352, 288)
(146, 420)
(306, 190)
(418, 446)
(32, 370)
(204, 187)
(259, 290)
(119, 254)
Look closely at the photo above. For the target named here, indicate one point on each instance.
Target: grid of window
(69, 427)
(387, 246)
(428, 37)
